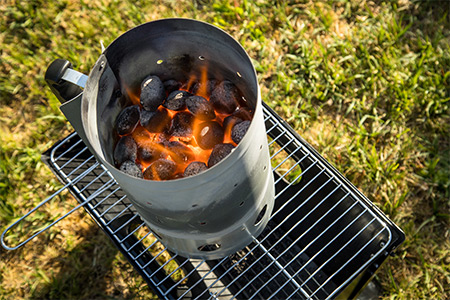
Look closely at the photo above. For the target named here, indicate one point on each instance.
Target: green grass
(367, 83)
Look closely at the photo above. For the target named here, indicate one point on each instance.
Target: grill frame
(225, 274)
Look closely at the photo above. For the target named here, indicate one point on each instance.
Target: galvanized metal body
(217, 212)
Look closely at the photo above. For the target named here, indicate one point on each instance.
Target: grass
(367, 83)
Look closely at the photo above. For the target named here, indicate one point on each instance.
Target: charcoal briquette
(179, 152)
(149, 151)
(239, 130)
(178, 176)
(224, 97)
(176, 100)
(126, 149)
(230, 121)
(152, 93)
(171, 85)
(208, 134)
(127, 120)
(155, 121)
(243, 113)
(131, 168)
(160, 169)
(200, 108)
(219, 152)
(181, 125)
(194, 168)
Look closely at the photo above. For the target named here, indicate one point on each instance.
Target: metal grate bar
(346, 263)
(296, 178)
(288, 157)
(281, 149)
(271, 128)
(259, 242)
(292, 228)
(133, 232)
(93, 181)
(119, 214)
(153, 259)
(112, 206)
(185, 277)
(107, 197)
(366, 264)
(301, 190)
(205, 275)
(298, 271)
(280, 267)
(138, 241)
(336, 253)
(285, 262)
(74, 157)
(292, 244)
(106, 186)
(322, 233)
(278, 137)
(162, 265)
(125, 224)
(171, 273)
(69, 149)
(79, 167)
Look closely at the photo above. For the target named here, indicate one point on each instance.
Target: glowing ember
(175, 130)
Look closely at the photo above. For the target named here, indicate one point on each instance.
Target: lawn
(367, 83)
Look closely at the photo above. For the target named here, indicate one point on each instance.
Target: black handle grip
(62, 89)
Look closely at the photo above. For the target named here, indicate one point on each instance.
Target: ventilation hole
(194, 205)
(159, 61)
(157, 235)
(202, 223)
(241, 204)
(265, 167)
(209, 247)
(261, 215)
(235, 185)
(260, 147)
(239, 74)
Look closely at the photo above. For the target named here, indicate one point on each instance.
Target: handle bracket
(64, 82)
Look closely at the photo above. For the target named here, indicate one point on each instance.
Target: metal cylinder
(217, 212)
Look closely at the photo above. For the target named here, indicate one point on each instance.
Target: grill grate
(322, 233)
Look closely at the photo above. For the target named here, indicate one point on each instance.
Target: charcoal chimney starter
(217, 212)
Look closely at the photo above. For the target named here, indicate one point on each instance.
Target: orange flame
(203, 85)
(135, 99)
(190, 82)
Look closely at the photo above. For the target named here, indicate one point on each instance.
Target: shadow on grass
(85, 271)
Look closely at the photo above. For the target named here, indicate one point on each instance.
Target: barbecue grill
(324, 238)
